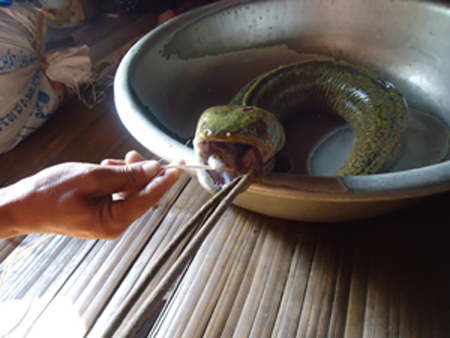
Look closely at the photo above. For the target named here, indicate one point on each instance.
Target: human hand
(84, 200)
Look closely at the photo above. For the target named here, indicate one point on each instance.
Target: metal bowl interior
(204, 57)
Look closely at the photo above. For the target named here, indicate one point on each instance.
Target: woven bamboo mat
(253, 277)
(261, 277)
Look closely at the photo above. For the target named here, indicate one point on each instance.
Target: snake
(245, 135)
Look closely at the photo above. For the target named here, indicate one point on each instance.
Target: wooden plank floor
(254, 276)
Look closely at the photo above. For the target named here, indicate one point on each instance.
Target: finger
(133, 157)
(110, 161)
(114, 179)
(136, 204)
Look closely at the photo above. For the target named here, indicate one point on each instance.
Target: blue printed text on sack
(11, 61)
(21, 104)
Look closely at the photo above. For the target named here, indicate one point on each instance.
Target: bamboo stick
(182, 300)
(217, 281)
(146, 310)
(135, 326)
(212, 276)
(40, 33)
(194, 287)
(178, 216)
(137, 238)
(151, 234)
(122, 312)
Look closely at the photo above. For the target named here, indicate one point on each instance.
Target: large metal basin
(202, 58)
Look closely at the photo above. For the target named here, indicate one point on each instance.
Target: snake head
(236, 140)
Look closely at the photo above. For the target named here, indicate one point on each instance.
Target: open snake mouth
(229, 160)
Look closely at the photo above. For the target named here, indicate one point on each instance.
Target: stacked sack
(27, 94)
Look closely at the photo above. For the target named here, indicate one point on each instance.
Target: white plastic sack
(27, 98)
(70, 66)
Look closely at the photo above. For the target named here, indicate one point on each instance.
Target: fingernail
(174, 171)
(178, 162)
(151, 168)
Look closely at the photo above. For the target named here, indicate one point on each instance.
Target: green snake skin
(375, 110)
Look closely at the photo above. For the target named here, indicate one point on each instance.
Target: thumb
(133, 177)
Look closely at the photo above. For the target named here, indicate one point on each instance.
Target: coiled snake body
(246, 134)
